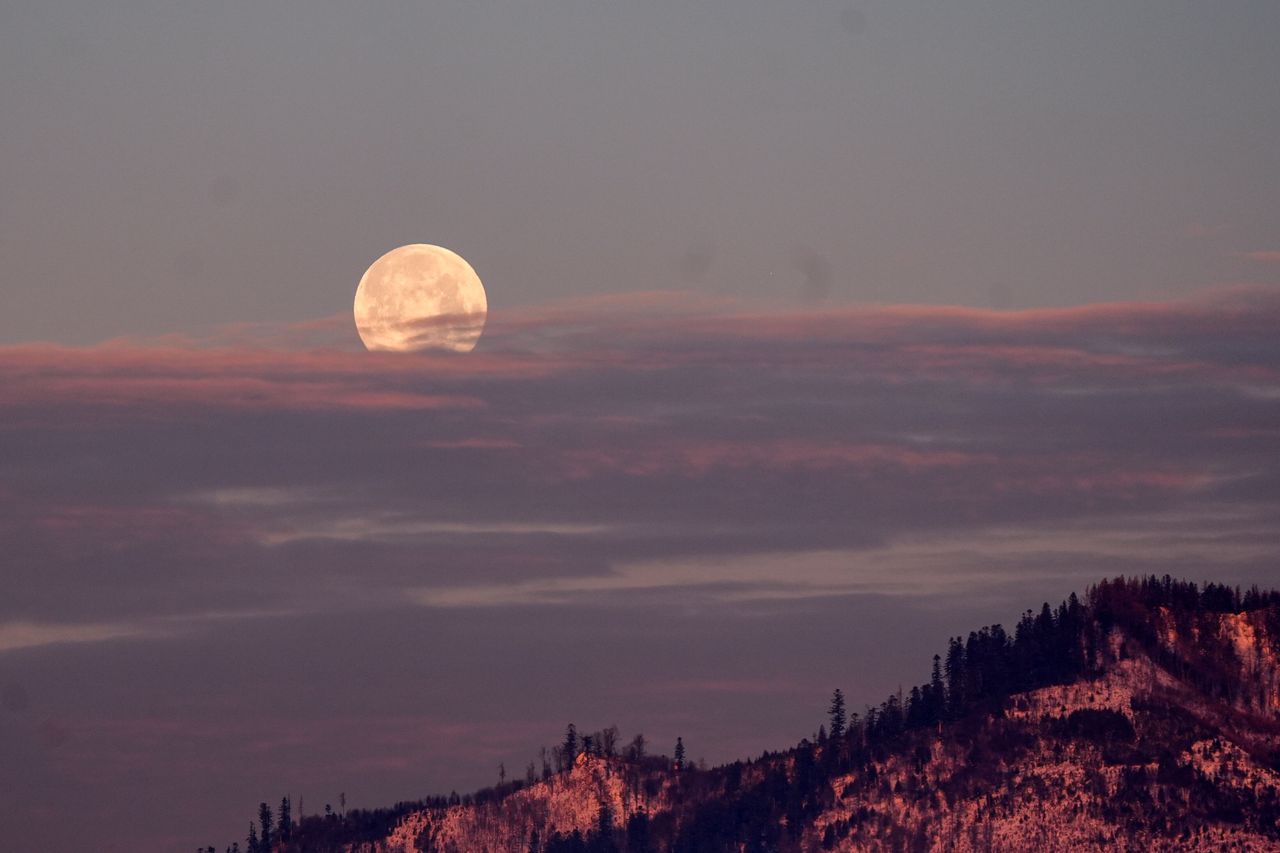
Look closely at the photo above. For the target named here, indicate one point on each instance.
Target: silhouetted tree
(603, 841)
(837, 714)
(955, 677)
(638, 833)
(570, 747)
(609, 742)
(254, 845)
(937, 691)
(635, 752)
(264, 820)
(284, 821)
(915, 708)
(679, 753)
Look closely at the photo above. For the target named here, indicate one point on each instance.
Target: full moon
(420, 297)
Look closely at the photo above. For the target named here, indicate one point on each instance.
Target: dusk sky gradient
(818, 333)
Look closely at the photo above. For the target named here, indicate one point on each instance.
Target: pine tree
(955, 669)
(917, 713)
(570, 748)
(604, 820)
(937, 691)
(679, 753)
(638, 832)
(836, 712)
(264, 819)
(254, 845)
(284, 821)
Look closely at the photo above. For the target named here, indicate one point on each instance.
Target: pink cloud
(130, 523)
(1113, 481)
(230, 392)
(112, 375)
(652, 332)
(474, 444)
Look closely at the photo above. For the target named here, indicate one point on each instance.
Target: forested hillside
(1145, 715)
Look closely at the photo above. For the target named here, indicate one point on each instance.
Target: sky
(818, 333)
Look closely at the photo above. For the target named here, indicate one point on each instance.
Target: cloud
(644, 332)
(28, 635)
(177, 379)
(251, 496)
(586, 445)
(695, 459)
(934, 566)
(400, 528)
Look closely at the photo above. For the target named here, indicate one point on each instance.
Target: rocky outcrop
(597, 791)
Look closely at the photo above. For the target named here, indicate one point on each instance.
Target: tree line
(1052, 646)
(977, 673)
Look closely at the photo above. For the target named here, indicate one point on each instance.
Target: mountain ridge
(1145, 717)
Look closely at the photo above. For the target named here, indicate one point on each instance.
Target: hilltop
(1143, 716)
